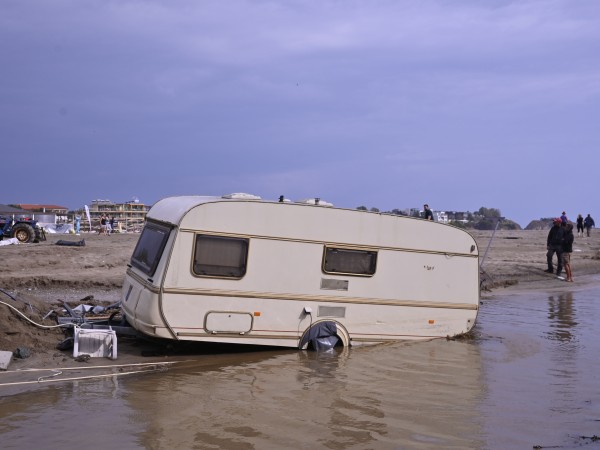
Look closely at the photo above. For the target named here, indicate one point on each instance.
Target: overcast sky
(381, 103)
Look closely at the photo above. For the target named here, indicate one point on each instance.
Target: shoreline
(516, 260)
(550, 285)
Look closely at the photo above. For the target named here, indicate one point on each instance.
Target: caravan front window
(220, 256)
(349, 261)
(150, 247)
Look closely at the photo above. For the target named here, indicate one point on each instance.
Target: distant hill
(540, 224)
(490, 224)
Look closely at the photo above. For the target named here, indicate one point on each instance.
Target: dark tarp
(321, 336)
(80, 243)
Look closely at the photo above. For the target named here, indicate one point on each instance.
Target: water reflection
(394, 396)
(561, 312)
(352, 419)
(564, 370)
(62, 416)
(542, 387)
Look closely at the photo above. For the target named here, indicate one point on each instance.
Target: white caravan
(239, 269)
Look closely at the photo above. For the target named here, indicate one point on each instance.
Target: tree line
(482, 219)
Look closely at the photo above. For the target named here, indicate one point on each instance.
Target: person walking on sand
(103, 222)
(428, 212)
(554, 244)
(588, 223)
(579, 225)
(563, 218)
(567, 250)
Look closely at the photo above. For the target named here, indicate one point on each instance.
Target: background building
(129, 216)
(46, 214)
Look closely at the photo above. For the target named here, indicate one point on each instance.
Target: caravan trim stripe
(319, 298)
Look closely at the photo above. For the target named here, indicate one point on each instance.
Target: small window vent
(335, 285)
(332, 311)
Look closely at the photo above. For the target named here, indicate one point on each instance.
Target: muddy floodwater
(530, 377)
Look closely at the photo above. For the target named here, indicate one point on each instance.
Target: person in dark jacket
(579, 225)
(554, 244)
(428, 212)
(567, 250)
(588, 223)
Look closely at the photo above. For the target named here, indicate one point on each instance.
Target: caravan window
(150, 247)
(220, 256)
(349, 261)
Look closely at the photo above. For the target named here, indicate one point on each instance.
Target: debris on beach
(10, 241)
(22, 353)
(5, 359)
(29, 325)
(80, 243)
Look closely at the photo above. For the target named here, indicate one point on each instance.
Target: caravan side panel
(425, 285)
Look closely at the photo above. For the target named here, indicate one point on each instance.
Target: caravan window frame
(369, 271)
(218, 270)
(151, 227)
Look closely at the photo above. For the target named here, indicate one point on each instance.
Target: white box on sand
(5, 359)
(96, 343)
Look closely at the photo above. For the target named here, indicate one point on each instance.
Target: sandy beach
(43, 275)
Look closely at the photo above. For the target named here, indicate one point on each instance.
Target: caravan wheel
(324, 335)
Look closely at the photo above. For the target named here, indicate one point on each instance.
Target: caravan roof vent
(315, 201)
(241, 196)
